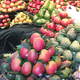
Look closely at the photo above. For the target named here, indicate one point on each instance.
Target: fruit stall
(39, 39)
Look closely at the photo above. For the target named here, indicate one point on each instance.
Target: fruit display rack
(52, 52)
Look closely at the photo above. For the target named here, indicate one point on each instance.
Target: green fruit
(42, 12)
(67, 55)
(65, 43)
(60, 37)
(35, 17)
(10, 76)
(78, 38)
(75, 46)
(19, 77)
(71, 34)
(47, 15)
(41, 21)
(77, 57)
(59, 50)
(46, 4)
(55, 77)
(66, 72)
(51, 6)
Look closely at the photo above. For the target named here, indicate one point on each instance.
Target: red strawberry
(64, 22)
(38, 69)
(59, 27)
(51, 67)
(63, 14)
(32, 56)
(26, 68)
(51, 26)
(44, 55)
(51, 51)
(33, 36)
(57, 20)
(38, 44)
(24, 52)
(15, 64)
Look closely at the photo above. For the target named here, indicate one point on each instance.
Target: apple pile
(21, 18)
(4, 20)
(34, 6)
(59, 21)
(12, 5)
(39, 58)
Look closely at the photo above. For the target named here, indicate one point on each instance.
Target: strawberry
(63, 14)
(64, 22)
(59, 27)
(57, 20)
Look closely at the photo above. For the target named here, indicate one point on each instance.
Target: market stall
(40, 40)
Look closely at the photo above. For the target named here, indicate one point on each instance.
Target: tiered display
(51, 54)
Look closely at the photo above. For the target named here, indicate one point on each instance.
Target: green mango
(41, 21)
(47, 15)
(46, 4)
(51, 6)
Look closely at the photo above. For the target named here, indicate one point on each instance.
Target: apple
(1, 24)
(6, 24)
(6, 15)
(2, 17)
(4, 20)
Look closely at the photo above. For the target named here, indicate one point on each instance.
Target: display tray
(11, 37)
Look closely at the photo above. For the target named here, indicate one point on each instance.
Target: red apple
(32, 56)
(24, 52)
(26, 68)
(51, 51)
(6, 24)
(15, 64)
(2, 17)
(6, 15)
(44, 55)
(7, 2)
(1, 24)
(38, 69)
(33, 36)
(51, 68)
(4, 20)
(38, 44)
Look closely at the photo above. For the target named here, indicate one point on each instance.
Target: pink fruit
(38, 69)
(15, 64)
(6, 24)
(51, 67)
(38, 44)
(1, 16)
(24, 52)
(51, 51)
(1, 24)
(32, 56)
(4, 20)
(26, 68)
(33, 36)
(6, 16)
(44, 55)
(7, 2)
